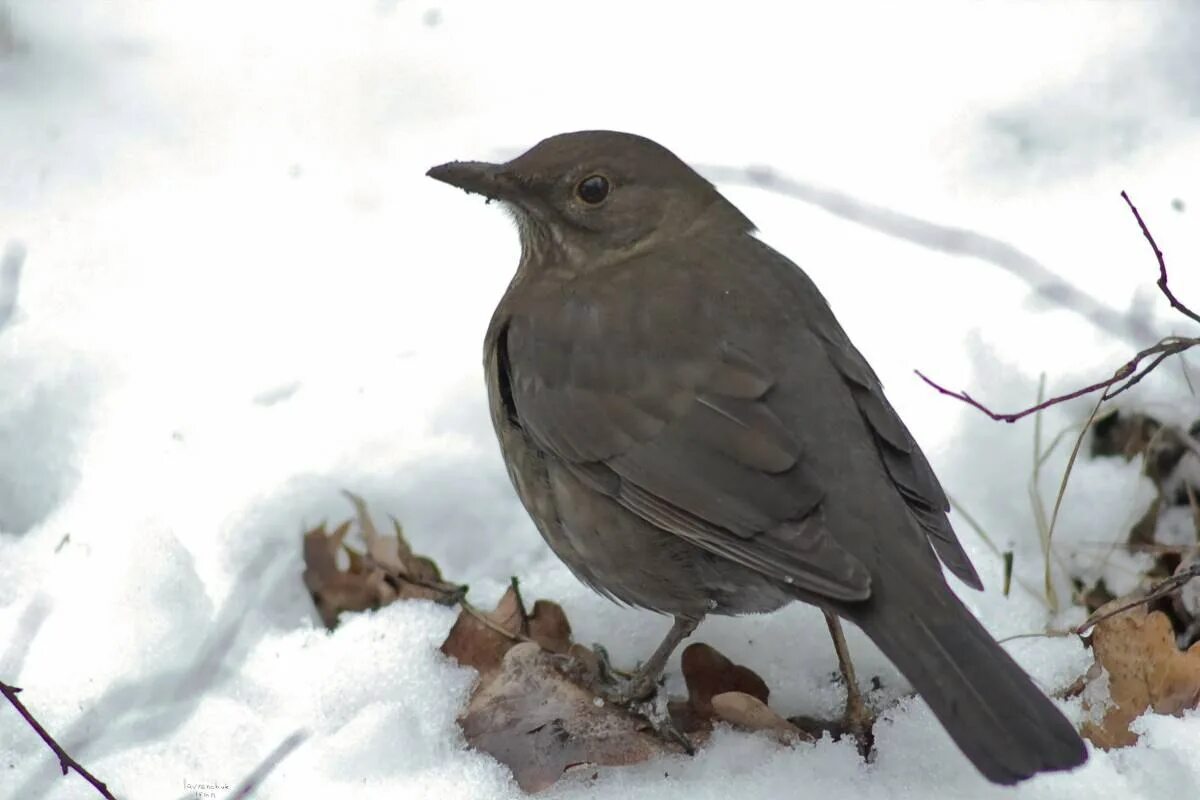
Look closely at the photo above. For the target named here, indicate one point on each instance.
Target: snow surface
(240, 295)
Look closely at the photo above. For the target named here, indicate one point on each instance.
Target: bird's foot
(618, 687)
(638, 692)
(858, 720)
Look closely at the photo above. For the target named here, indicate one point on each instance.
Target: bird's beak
(477, 177)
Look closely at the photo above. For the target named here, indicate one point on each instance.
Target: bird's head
(591, 197)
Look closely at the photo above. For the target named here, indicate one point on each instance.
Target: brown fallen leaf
(538, 723)
(748, 712)
(419, 577)
(548, 626)
(333, 590)
(707, 673)
(1145, 671)
(387, 572)
(480, 639)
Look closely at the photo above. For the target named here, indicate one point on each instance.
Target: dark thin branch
(1162, 264)
(1160, 589)
(64, 760)
(1127, 372)
(1016, 415)
(1127, 376)
(153, 706)
(260, 773)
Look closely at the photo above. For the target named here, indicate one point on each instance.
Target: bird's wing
(674, 427)
(905, 463)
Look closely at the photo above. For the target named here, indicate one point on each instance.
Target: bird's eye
(593, 189)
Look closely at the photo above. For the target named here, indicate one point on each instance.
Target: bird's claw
(618, 687)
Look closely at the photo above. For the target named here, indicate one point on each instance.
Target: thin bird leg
(641, 683)
(857, 718)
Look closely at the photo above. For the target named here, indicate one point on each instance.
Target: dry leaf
(480, 639)
(747, 711)
(538, 723)
(1123, 434)
(707, 673)
(395, 556)
(1144, 670)
(548, 626)
(482, 642)
(389, 571)
(334, 591)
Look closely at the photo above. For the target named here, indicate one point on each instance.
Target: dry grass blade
(1045, 528)
(1062, 487)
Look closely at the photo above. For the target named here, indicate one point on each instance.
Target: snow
(240, 295)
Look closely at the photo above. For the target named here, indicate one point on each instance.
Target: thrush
(693, 433)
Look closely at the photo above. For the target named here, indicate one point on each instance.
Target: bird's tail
(992, 710)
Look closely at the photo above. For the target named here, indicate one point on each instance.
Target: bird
(692, 432)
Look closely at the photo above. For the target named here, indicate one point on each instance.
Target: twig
(487, 622)
(1160, 589)
(1162, 264)
(455, 594)
(1050, 634)
(1128, 372)
(1128, 375)
(260, 773)
(64, 760)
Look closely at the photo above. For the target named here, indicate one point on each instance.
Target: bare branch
(1128, 375)
(1112, 387)
(260, 773)
(1162, 264)
(64, 760)
(1160, 589)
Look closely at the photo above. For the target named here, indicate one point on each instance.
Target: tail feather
(992, 710)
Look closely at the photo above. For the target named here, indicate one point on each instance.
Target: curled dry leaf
(747, 711)
(534, 720)
(480, 639)
(333, 590)
(530, 709)
(1145, 671)
(420, 576)
(387, 572)
(707, 673)
(548, 626)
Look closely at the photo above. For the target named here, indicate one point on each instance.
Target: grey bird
(693, 433)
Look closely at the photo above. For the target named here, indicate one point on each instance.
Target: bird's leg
(857, 719)
(642, 682)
